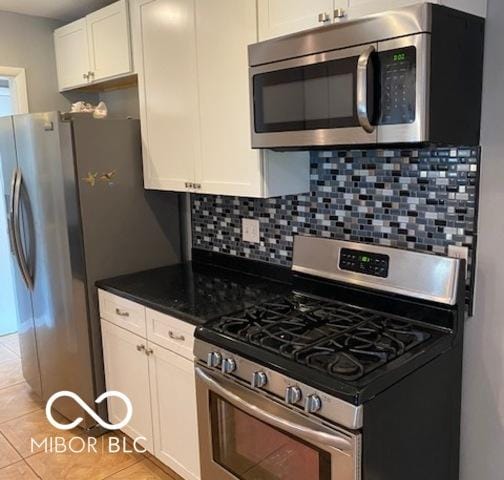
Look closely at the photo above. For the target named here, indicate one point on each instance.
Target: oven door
(248, 436)
(315, 100)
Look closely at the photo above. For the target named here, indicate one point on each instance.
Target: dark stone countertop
(197, 292)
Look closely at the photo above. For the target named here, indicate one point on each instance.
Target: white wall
(483, 387)
(27, 42)
(122, 103)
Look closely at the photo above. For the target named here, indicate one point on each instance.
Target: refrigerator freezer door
(55, 257)
(26, 326)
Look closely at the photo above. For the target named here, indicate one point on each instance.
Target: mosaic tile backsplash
(422, 199)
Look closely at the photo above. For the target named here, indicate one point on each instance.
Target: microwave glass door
(307, 97)
(251, 449)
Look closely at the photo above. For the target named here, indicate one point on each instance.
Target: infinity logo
(78, 400)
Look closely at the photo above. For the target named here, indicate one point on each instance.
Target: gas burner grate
(339, 339)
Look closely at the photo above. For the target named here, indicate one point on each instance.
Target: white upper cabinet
(72, 57)
(280, 17)
(194, 101)
(224, 29)
(94, 48)
(164, 40)
(227, 164)
(109, 41)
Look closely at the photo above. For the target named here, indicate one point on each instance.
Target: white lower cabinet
(173, 399)
(155, 371)
(127, 371)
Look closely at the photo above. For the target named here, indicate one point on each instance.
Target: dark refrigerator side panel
(125, 228)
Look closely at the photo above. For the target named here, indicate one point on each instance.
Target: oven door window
(311, 97)
(252, 450)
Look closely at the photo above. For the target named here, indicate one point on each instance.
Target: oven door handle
(362, 90)
(309, 434)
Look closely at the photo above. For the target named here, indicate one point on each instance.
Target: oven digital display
(374, 264)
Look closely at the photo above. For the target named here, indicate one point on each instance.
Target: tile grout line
(19, 416)
(21, 458)
(125, 468)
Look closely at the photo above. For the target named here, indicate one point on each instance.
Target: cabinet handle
(339, 13)
(323, 17)
(85, 76)
(197, 186)
(91, 74)
(121, 313)
(180, 338)
(140, 348)
(149, 352)
(188, 185)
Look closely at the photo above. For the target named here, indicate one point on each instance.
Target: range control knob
(214, 359)
(259, 380)
(293, 395)
(313, 403)
(228, 365)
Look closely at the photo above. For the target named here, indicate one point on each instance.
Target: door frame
(17, 85)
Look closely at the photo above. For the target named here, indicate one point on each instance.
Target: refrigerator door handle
(16, 224)
(10, 217)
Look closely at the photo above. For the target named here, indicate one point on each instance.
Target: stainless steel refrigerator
(77, 213)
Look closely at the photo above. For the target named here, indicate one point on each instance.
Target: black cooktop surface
(352, 344)
(341, 340)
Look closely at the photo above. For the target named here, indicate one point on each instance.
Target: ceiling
(65, 10)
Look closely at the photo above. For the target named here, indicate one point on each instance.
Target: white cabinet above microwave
(94, 48)
(281, 17)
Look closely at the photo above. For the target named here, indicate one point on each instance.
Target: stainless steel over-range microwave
(411, 75)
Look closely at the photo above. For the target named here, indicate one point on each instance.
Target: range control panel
(375, 264)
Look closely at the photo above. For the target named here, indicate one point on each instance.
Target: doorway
(13, 100)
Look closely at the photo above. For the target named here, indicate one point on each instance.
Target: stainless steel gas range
(353, 375)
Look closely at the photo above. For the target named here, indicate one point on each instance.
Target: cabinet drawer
(171, 333)
(124, 313)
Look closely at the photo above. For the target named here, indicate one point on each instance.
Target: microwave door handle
(309, 434)
(362, 90)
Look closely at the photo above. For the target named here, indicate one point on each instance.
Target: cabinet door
(228, 165)
(165, 53)
(72, 60)
(127, 371)
(175, 423)
(109, 41)
(280, 17)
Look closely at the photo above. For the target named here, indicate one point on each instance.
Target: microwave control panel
(397, 86)
(375, 264)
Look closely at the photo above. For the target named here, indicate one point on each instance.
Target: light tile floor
(22, 417)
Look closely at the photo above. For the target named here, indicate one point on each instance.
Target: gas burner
(342, 340)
